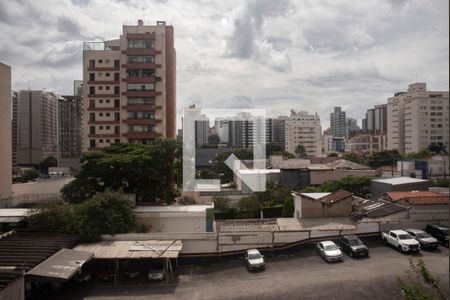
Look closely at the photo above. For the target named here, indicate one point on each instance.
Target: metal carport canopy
(133, 249)
(62, 265)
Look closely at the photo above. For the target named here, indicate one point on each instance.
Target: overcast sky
(300, 54)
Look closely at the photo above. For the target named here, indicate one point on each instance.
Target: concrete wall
(429, 212)
(15, 290)
(5, 132)
(320, 177)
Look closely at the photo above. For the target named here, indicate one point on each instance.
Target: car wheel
(446, 244)
(400, 248)
(351, 254)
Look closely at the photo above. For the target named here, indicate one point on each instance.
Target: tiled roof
(418, 197)
(336, 196)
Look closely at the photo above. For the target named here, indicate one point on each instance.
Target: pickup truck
(401, 240)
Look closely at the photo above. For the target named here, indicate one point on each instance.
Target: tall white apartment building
(417, 118)
(303, 129)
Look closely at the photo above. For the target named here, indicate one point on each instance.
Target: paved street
(302, 275)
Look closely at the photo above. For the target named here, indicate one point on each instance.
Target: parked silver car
(254, 259)
(329, 251)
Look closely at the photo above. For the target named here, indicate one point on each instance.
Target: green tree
(29, 175)
(288, 207)
(46, 163)
(213, 139)
(148, 171)
(358, 185)
(418, 155)
(352, 157)
(272, 148)
(419, 282)
(105, 213)
(383, 158)
(285, 154)
(300, 151)
(249, 207)
(221, 204)
(221, 170)
(437, 148)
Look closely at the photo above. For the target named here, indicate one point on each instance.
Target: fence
(27, 200)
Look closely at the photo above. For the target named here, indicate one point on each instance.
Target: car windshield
(355, 242)
(404, 236)
(422, 235)
(330, 247)
(254, 256)
(445, 231)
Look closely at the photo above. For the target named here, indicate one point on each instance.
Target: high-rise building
(37, 126)
(304, 129)
(277, 131)
(351, 127)
(337, 122)
(5, 132)
(14, 101)
(375, 121)
(129, 87)
(417, 118)
(70, 109)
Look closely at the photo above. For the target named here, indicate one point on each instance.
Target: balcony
(104, 135)
(112, 68)
(140, 51)
(133, 66)
(103, 82)
(141, 135)
(142, 36)
(141, 121)
(141, 107)
(141, 93)
(103, 95)
(150, 79)
(109, 122)
(103, 109)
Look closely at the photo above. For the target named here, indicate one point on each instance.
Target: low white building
(176, 218)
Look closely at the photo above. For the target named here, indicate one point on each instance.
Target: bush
(249, 207)
(30, 175)
(221, 204)
(288, 207)
(440, 182)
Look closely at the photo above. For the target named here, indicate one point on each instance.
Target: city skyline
(343, 54)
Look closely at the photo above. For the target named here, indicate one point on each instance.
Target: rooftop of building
(399, 180)
(418, 197)
(172, 208)
(328, 198)
(376, 209)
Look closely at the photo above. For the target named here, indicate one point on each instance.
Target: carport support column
(116, 269)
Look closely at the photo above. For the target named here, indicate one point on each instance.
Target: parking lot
(298, 275)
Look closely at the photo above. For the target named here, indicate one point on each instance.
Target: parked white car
(254, 259)
(401, 240)
(329, 251)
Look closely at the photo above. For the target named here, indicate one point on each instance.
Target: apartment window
(100, 114)
(91, 76)
(100, 61)
(141, 73)
(117, 141)
(116, 116)
(101, 141)
(116, 90)
(141, 87)
(141, 128)
(92, 143)
(142, 100)
(92, 63)
(116, 76)
(141, 59)
(107, 101)
(92, 129)
(100, 127)
(147, 44)
(108, 127)
(100, 101)
(116, 103)
(141, 115)
(107, 87)
(100, 88)
(92, 117)
(107, 141)
(92, 90)
(91, 103)
(106, 61)
(116, 129)
(108, 114)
